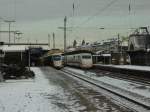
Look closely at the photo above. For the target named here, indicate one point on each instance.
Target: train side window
(78, 57)
(86, 57)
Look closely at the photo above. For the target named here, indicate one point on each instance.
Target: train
(55, 60)
(81, 58)
(139, 47)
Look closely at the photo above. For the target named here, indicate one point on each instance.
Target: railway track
(130, 78)
(139, 102)
(126, 77)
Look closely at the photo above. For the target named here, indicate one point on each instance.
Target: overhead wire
(93, 16)
(101, 10)
(74, 31)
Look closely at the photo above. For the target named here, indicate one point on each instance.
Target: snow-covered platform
(125, 69)
(29, 95)
(52, 91)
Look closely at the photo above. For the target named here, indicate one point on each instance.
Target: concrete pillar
(1, 77)
(21, 56)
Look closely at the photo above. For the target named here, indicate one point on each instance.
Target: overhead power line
(91, 17)
(100, 11)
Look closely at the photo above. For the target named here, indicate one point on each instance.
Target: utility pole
(118, 42)
(49, 40)
(0, 30)
(65, 21)
(64, 28)
(1, 19)
(9, 23)
(53, 40)
(29, 59)
(14, 37)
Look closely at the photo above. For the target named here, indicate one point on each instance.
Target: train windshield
(86, 57)
(56, 58)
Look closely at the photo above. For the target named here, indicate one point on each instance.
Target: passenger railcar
(82, 59)
(55, 60)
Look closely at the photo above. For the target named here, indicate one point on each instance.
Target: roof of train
(53, 52)
(56, 54)
(78, 52)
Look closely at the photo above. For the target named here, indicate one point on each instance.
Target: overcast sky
(37, 18)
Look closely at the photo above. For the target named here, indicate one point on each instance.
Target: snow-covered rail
(138, 99)
(127, 77)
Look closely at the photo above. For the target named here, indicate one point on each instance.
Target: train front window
(56, 58)
(86, 57)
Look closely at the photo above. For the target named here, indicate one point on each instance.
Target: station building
(23, 53)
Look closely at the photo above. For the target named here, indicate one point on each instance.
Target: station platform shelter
(23, 54)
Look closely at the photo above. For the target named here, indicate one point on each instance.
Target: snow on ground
(125, 85)
(132, 87)
(28, 95)
(132, 67)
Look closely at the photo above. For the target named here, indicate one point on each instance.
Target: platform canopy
(20, 48)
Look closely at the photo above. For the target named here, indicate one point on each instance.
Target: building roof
(21, 48)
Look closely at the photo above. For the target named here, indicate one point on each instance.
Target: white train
(55, 60)
(82, 59)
